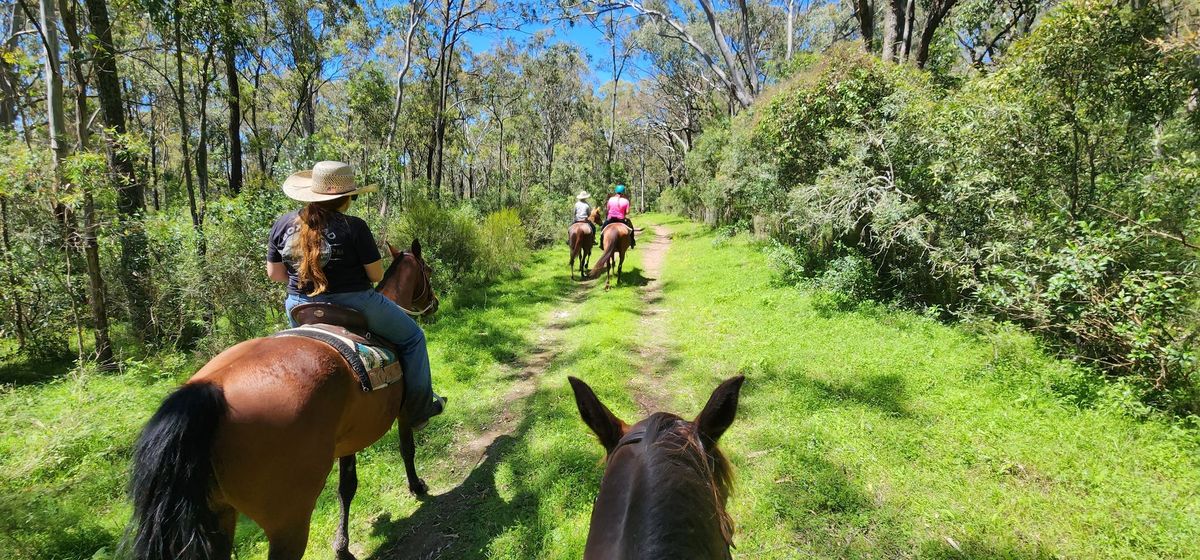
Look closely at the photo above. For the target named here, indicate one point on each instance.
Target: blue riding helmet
(620, 189)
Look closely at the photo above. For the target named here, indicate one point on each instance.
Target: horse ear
(721, 408)
(416, 247)
(607, 426)
(394, 252)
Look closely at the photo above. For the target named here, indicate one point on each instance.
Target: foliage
(504, 247)
(1058, 192)
(450, 240)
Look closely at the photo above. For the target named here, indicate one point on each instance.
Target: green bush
(450, 240)
(848, 280)
(504, 247)
(1057, 192)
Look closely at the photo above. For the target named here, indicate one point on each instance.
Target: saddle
(374, 360)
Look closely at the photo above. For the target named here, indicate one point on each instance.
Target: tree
(233, 96)
(131, 202)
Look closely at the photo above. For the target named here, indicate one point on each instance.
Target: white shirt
(582, 209)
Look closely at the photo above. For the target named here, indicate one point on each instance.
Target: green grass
(867, 433)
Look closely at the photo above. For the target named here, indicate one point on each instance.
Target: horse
(256, 430)
(665, 482)
(615, 240)
(581, 238)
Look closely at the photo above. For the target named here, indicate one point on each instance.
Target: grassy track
(870, 433)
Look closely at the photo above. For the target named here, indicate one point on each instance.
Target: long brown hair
(313, 218)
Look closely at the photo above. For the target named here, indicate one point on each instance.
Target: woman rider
(325, 255)
(618, 211)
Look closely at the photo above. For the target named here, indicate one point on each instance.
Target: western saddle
(331, 314)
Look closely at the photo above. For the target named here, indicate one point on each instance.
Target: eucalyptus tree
(131, 201)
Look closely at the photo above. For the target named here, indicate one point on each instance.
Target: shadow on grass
(459, 523)
(969, 549)
(19, 370)
(465, 521)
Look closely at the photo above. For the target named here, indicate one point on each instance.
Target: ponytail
(313, 218)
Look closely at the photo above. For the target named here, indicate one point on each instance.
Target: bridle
(426, 286)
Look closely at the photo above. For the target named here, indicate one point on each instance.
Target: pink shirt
(618, 207)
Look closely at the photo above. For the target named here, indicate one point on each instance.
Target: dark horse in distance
(665, 482)
(257, 431)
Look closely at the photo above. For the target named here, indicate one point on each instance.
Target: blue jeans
(387, 320)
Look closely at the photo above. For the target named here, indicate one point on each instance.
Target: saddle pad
(375, 365)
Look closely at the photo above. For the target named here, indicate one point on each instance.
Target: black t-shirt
(348, 247)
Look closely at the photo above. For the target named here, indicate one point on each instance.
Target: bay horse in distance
(581, 239)
(665, 481)
(616, 238)
(257, 431)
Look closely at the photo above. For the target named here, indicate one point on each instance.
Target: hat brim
(583, 196)
(298, 186)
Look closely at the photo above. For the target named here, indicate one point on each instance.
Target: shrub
(849, 280)
(504, 247)
(787, 264)
(450, 240)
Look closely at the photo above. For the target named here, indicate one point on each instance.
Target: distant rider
(618, 211)
(583, 210)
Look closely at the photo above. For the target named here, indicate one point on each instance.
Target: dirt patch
(525, 382)
(648, 387)
(430, 532)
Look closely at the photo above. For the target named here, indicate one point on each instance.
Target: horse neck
(398, 285)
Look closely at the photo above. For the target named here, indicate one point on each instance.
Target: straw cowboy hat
(327, 180)
(583, 195)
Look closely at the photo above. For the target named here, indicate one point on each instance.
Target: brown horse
(616, 239)
(665, 482)
(581, 239)
(256, 431)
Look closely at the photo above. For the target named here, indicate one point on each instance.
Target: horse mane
(672, 449)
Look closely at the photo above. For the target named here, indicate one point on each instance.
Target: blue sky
(583, 34)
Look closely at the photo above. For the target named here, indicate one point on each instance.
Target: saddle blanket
(375, 364)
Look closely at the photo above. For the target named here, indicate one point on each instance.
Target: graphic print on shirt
(291, 246)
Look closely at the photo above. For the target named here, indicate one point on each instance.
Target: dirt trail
(525, 382)
(431, 533)
(649, 391)
(430, 536)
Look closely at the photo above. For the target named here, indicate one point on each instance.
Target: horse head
(594, 216)
(670, 471)
(409, 281)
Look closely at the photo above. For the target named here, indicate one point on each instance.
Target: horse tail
(173, 475)
(610, 248)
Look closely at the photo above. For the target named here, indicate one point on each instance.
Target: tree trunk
(743, 90)
(229, 45)
(893, 29)
(185, 131)
(202, 178)
(414, 19)
(937, 14)
(18, 305)
(910, 18)
(791, 28)
(131, 201)
(864, 12)
(748, 48)
(8, 77)
(91, 249)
